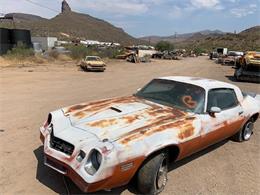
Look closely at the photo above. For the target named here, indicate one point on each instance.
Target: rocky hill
(248, 39)
(180, 37)
(70, 25)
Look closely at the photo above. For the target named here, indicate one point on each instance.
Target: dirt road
(27, 94)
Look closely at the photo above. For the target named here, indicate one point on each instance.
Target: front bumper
(93, 67)
(68, 171)
(96, 68)
(67, 166)
(253, 62)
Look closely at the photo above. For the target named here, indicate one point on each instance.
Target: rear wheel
(245, 133)
(152, 177)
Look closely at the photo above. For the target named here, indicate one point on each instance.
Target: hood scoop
(116, 109)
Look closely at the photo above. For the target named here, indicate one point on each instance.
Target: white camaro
(103, 144)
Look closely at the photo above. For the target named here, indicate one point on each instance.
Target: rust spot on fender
(186, 132)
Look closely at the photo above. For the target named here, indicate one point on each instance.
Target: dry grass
(33, 61)
(63, 57)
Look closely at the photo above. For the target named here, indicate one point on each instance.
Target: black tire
(236, 76)
(245, 133)
(152, 176)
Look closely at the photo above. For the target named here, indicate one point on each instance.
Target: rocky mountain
(70, 25)
(248, 39)
(65, 7)
(180, 37)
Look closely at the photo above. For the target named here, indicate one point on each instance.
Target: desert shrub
(21, 51)
(54, 54)
(164, 45)
(80, 51)
(199, 50)
(110, 52)
(64, 57)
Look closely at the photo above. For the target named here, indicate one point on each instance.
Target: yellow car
(93, 63)
(251, 58)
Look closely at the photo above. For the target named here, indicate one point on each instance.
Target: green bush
(110, 52)
(77, 51)
(21, 51)
(80, 51)
(199, 50)
(164, 45)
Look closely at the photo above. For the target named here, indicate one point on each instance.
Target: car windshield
(184, 96)
(92, 58)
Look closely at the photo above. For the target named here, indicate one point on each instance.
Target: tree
(164, 45)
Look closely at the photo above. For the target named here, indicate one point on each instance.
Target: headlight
(93, 163)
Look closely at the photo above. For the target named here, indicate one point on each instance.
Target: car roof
(92, 56)
(202, 82)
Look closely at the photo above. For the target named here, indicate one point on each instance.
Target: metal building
(46, 43)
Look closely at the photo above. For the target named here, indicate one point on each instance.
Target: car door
(218, 126)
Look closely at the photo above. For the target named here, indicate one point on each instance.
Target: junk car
(103, 144)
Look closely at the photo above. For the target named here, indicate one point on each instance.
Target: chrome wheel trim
(161, 178)
(248, 130)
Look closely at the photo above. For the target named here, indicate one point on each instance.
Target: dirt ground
(28, 93)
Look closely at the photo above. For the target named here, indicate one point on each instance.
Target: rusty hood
(115, 118)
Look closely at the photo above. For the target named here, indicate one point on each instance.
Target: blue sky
(154, 17)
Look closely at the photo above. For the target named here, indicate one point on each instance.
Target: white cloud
(125, 7)
(240, 12)
(253, 5)
(205, 3)
(11, 6)
(176, 12)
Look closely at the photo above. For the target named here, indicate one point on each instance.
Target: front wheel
(245, 133)
(152, 177)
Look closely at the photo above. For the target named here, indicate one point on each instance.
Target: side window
(222, 98)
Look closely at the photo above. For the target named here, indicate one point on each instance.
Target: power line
(43, 6)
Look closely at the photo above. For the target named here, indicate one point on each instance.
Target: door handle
(241, 112)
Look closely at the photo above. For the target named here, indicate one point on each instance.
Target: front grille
(60, 145)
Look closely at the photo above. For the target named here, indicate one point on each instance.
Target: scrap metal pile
(136, 54)
(246, 65)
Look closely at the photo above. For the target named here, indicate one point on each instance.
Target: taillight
(48, 121)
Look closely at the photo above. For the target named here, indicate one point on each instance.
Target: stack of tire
(10, 38)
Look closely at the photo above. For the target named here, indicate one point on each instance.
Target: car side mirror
(214, 110)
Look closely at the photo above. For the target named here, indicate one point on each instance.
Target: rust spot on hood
(165, 123)
(103, 123)
(130, 119)
(81, 110)
(165, 111)
(76, 107)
